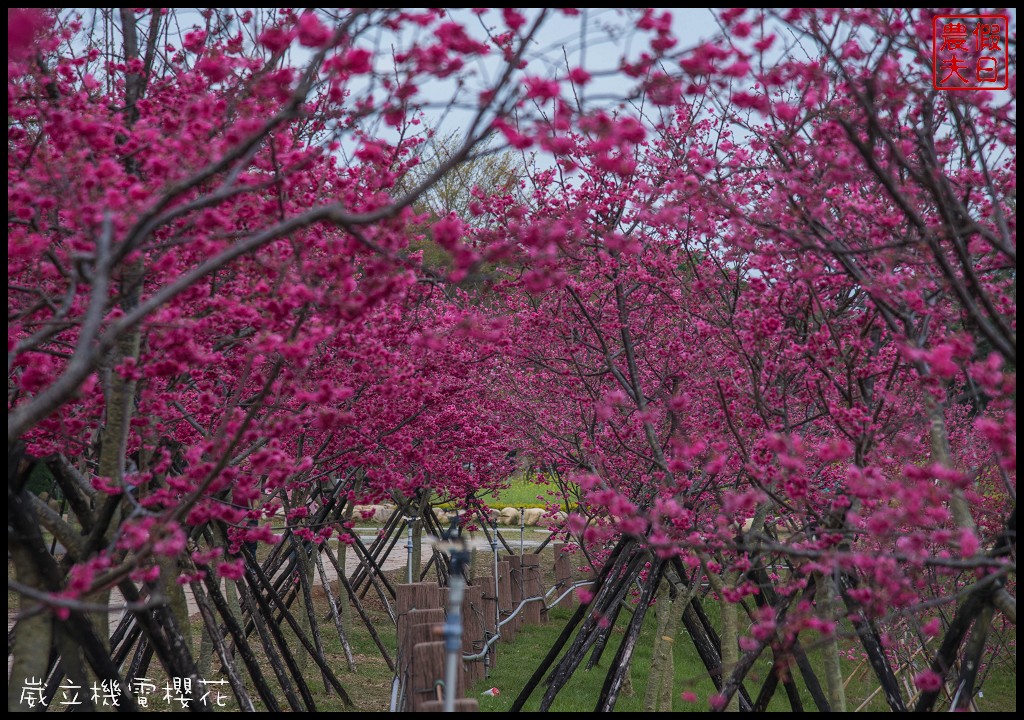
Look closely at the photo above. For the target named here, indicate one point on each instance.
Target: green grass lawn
(524, 491)
(517, 661)
(370, 685)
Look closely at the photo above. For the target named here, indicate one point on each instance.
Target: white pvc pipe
(408, 548)
(453, 638)
(394, 694)
(494, 549)
(522, 529)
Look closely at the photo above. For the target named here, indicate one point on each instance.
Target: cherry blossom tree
(217, 314)
(771, 308)
(760, 308)
(910, 193)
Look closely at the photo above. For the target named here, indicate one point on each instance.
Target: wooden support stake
(428, 675)
(563, 575)
(515, 564)
(410, 597)
(473, 632)
(466, 705)
(508, 631)
(532, 587)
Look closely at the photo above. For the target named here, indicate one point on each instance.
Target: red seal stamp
(970, 52)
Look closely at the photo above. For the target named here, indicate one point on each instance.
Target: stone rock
(381, 513)
(509, 516)
(532, 516)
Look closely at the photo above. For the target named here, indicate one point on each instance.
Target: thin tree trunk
(661, 654)
(971, 663)
(175, 592)
(730, 638)
(417, 535)
(33, 634)
(346, 606)
(668, 675)
(941, 455)
(827, 605)
(729, 642)
(119, 391)
(302, 576)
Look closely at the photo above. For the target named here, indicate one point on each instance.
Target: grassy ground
(525, 491)
(517, 662)
(370, 685)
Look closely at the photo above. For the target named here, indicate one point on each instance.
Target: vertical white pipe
(453, 636)
(408, 548)
(522, 529)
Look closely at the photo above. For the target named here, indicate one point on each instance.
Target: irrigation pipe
(409, 520)
(394, 694)
(497, 636)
